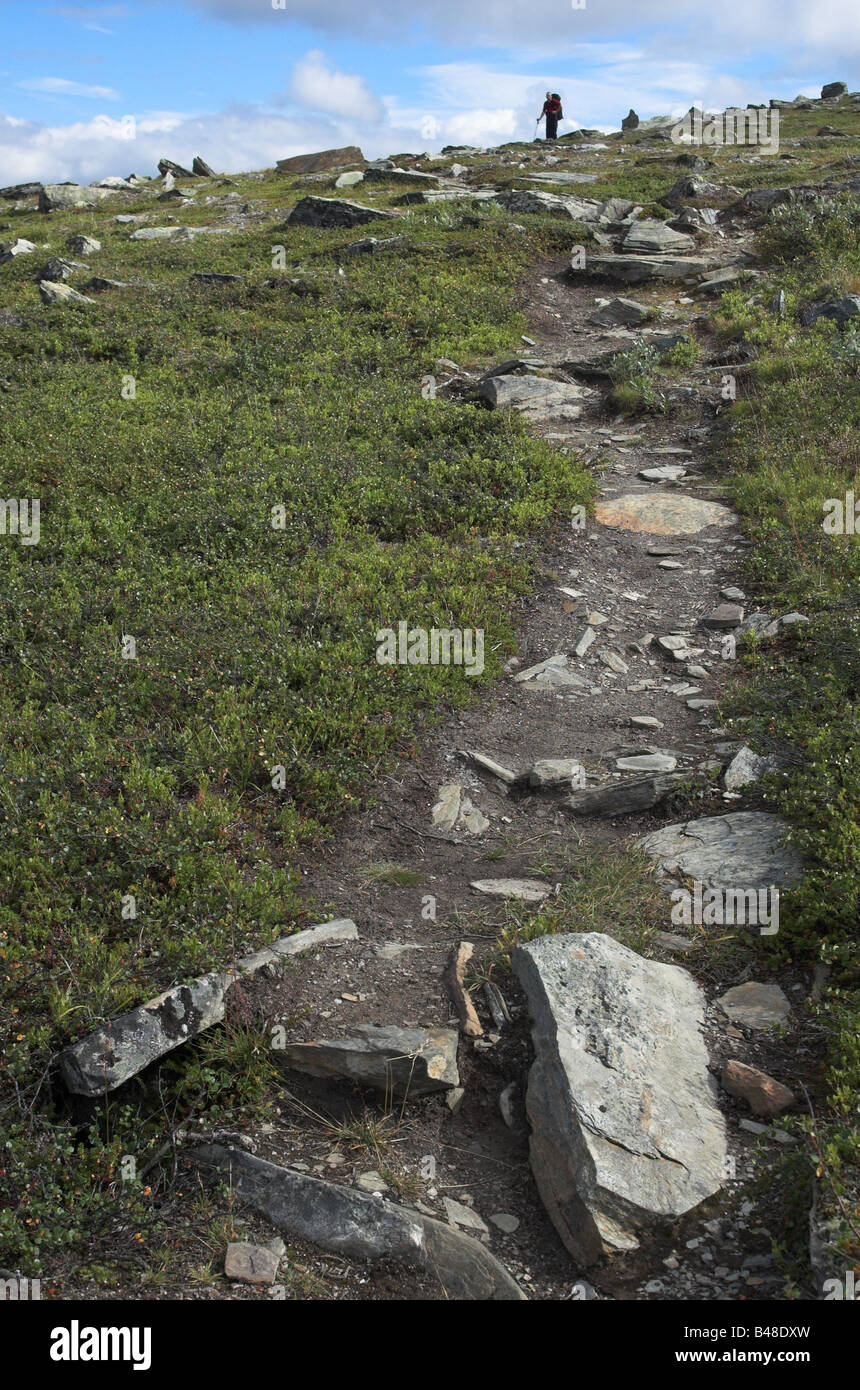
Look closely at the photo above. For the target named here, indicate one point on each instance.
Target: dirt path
(394, 973)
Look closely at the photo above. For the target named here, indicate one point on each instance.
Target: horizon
(244, 83)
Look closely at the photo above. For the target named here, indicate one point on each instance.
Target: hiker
(552, 113)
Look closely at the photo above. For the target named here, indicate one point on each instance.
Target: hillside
(280, 424)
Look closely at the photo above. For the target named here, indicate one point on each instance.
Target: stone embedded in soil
(747, 767)
(647, 762)
(645, 721)
(454, 811)
(724, 616)
(551, 674)
(126, 1045)
(505, 1222)
(626, 1133)
(624, 313)
(481, 760)
(371, 1182)
(556, 772)
(664, 473)
(460, 1215)
(584, 641)
(455, 979)
(534, 395)
(764, 1095)
(744, 849)
(360, 1226)
(664, 514)
(250, 1264)
(398, 1061)
(755, 1005)
(527, 890)
(613, 661)
(623, 798)
(636, 269)
(313, 211)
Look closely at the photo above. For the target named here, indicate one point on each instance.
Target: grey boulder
(313, 211)
(362, 1227)
(399, 1061)
(626, 1132)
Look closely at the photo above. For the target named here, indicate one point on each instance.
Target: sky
(103, 88)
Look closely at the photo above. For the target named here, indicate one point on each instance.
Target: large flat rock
(320, 161)
(336, 212)
(362, 1227)
(126, 1045)
(626, 1131)
(745, 849)
(398, 1061)
(662, 513)
(637, 269)
(536, 395)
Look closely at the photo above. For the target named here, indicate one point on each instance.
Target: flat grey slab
(126, 1045)
(744, 849)
(361, 1226)
(626, 1131)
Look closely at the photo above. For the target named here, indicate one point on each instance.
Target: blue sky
(98, 88)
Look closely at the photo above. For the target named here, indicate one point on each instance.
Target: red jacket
(551, 107)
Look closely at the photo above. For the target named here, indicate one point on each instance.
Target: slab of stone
(18, 247)
(744, 849)
(626, 1132)
(459, 1214)
(647, 762)
(556, 772)
(481, 760)
(83, 245)
(645, 721)
(584, 641)
(551, 674)
(662, 513)
(613, 661)
(746, 767)
(620, 313)
(663, 473)
(504, 1221)
(127, 1044)
(250, 1264)
(724, 617)
(396, 1061)
(624, 797)
(755, 1005)
(527, 890)
(313, 211)
(55, 197)
(454, 811)
(360, 1226)
(177, 233)
(533, 200)
(764, 1095)
(321, 161)
(534, 395)
(637, 269)
(652, 236)
(53, 292)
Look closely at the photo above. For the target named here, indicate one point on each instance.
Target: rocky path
(658, 558)
(603, 730)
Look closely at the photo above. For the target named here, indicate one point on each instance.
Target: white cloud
(61, 86)
(823, 33)
(339, 94)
